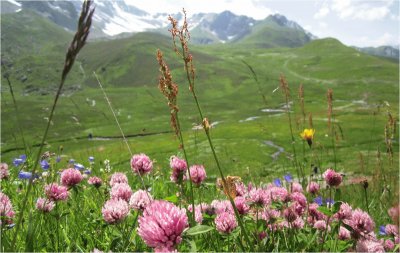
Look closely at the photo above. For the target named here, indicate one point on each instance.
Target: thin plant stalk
(371, 136)
(170, 91)
(331, 129)
(390, 130)
(17, 115)
(183, 36)
(133, 226)
(79, 40)
(120, 128)
(365, 186)
(285, 89)
(187, 162)
(303, 114)
(257, 82)
(324, 237)
(206, 127)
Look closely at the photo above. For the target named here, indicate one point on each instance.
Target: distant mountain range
(385, 51)
(116, 19)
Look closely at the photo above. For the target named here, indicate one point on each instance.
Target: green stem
(25, 201)
(191, 85)
(76, 45)
(17, 115)
(127, 242)
(334, 149)
(230, 198)
(337, 236)
(187, 162)
(370, 141)
(293, 140)
(241, 244)
(58, 227)
(257, 236)
(366, 199)
(325, 234)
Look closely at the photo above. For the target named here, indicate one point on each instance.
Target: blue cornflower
(45, 165)
(24, 175)
(382, 230)
(87, 172)
(79, 166)
(91, 159)
(329, 202)
(288, 178)
(58, 159)
(17, 162)
(318, 200)
(278, 182)
(71, 161)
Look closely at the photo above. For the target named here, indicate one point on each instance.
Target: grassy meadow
(249, 124)
(362, 97)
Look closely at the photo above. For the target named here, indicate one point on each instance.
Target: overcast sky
(354, 22)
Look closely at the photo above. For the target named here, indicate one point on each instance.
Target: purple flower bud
(79, 166)
(24, 175)
(288, 178)
(45, 165)
(318, 200)
(278, 182)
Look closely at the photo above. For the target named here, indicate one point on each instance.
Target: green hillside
(26, 32)
(333, 63)
(269, 33)
(228, 93)
(32, 52)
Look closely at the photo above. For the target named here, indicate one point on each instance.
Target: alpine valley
(238, 63)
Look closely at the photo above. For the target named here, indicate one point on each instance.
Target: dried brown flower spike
(169, 89)
(79, 40)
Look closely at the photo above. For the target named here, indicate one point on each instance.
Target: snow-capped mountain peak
(113, 17)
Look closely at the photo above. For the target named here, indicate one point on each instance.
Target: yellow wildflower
(308, 135)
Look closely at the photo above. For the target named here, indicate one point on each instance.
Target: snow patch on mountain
(122, 21)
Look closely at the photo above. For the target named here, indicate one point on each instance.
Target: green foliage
(197, 230)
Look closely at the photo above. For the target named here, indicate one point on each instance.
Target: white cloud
(323, 25)
(374, 13)
(369, 11)
(395, 17)
(385, 39)
(308, 27)
(343, 8)
(321, 12)
(255, 8)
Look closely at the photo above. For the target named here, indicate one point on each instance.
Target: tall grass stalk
(301, 99)
(256, 80)
(170, 91)
(286, 92)
(79, 40)
(365, 186)
(187, 162)
(303, 114)
(331, 129)
(119, 126)
(19, 123)
(371, 136)
(183, 37)
(390, 130)
(380, 166)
